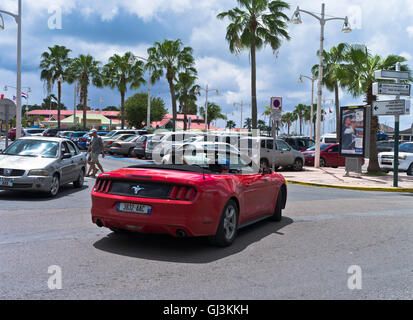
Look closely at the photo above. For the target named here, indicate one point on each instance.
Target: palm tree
(186, 91)
(255, 23)
(359, 77)
(214, 113)
(54, 66)
(300, 111)
(119, 72)
(248, 124)
(170, 58)
(288, 119)
(230, 125)
(333, 74)
(85, 70)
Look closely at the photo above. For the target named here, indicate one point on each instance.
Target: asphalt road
(306, 256)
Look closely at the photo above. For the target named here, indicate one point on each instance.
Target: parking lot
(305, 256)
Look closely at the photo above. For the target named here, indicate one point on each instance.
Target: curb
(332, 186)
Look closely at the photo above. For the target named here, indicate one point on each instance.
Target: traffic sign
(277, 104)
(9, 106)
(392, 107)
(391, 89)
(390, 74)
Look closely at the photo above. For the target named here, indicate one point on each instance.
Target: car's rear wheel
(410, 170)
(322, 163)
(80, 180)
(298, 165)
(55, 186)
(227, 229)
(277, 216)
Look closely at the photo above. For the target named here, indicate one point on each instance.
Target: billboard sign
(353, 131)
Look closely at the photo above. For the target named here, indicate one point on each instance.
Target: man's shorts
(94, 158)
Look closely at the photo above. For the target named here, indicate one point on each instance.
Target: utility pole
(396, 140)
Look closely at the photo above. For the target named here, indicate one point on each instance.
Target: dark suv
(299, 143)
(52, 132)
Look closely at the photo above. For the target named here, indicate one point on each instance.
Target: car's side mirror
(66, 156)
(266, 171)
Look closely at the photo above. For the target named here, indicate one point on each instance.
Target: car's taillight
(182, 193)
(110, 142)
(144, 145)
(103, 186)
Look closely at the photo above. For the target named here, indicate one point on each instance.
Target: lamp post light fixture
(131, 61)
(312, 79)
(18, 18)
(207, 90)
(296, 19)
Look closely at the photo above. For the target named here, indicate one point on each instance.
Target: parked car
(299, 143)
(164, 141)
(83, 141)
(278, 154)
(386, 146)
(329, 138)
(113, 133)
(37, 132)
(177, 199)
(405, 159)
(107, 143)
(52, 132)
(141, 143)
(41, 164)
(12, 134)
(329, 156)
(124, 147)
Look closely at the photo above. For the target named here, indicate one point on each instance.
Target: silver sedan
(41, 164)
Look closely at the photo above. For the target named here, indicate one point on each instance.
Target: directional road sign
(390, 74)
(391, 89)
(393, 107)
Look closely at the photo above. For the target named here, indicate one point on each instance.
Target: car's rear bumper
(196, 218)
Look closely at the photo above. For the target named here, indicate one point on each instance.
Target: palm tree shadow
(188, 250)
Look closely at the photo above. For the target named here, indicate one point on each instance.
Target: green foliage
(136, 108)
(230, 124)
(111, 108)
(214, 113)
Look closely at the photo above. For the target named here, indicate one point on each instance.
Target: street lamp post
(312, 79)
(17, 18)
(296, 19)
(207, 90)
(148, 118)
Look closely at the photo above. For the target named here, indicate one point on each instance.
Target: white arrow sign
(390, 108)
(389, 74)
(391, 89)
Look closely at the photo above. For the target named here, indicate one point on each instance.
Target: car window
(263, 144)
(406, 147)
(270, 144)
(73, 150)
(283, 146)
(334, 149)
(64, 148)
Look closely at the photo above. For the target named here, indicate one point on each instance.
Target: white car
(405, 159)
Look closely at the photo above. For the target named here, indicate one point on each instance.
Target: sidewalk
(334, 178)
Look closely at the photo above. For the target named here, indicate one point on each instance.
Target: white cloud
(409, 30)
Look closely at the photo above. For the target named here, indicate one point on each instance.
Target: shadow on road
(189, 250)
(39, 196)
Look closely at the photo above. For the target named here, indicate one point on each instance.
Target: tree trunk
(122, 108)
(84, 107)
(337, 111)
(301, 125)
(374, 166)
(185, 107)
(59, 98)
(173, 97)
(254, 85)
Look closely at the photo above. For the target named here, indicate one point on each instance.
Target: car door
(283, 155)
(77, 159)
(66, 165)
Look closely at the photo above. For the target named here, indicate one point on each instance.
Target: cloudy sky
(102, 28)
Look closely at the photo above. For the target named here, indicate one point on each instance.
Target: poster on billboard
(353, 131)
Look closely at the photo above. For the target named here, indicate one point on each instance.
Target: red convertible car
(188, 200)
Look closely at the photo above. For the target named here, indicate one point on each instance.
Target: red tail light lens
(182, 193)
(84, 139)
(144, 145)
(103, 186)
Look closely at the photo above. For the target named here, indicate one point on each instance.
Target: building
(196, 122)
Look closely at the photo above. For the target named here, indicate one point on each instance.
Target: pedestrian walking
(94, 150)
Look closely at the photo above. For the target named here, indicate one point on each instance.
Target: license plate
(6, 182)
(134, 208)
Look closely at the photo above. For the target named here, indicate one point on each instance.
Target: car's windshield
(111, 134)
(33, 148)
(322, 147)
(406, 147)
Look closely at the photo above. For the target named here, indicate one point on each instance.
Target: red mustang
(188, 200)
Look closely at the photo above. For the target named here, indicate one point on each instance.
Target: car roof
(51, 139)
